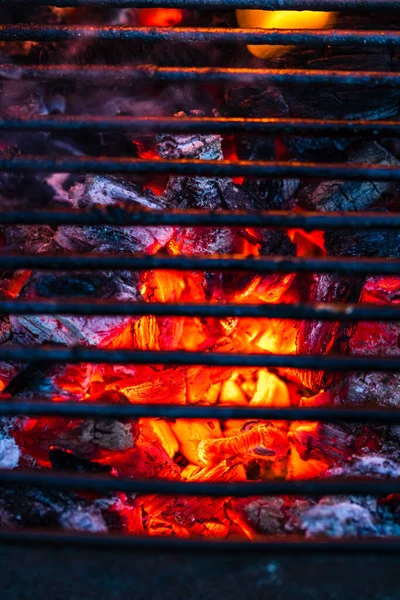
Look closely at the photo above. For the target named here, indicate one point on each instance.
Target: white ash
(83, 519)
(294, 512)
(381, 388)
(370, 465)
(86, 331)
(9, 453)
(206, 147)
(338, 520)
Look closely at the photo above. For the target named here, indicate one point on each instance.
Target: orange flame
(290, 19)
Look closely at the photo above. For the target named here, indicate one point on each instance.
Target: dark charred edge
(329, 5)
(229, 125)
(124, 262)
(112, 411)
(290, 544)
(202, 168)
(77, 354)
(110, 75)
(105, 483)
(46, 33)
(326, 312)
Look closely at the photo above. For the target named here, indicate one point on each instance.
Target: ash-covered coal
(33, 507)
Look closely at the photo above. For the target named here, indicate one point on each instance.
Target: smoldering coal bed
(199, 336)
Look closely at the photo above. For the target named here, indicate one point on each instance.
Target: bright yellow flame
(281, 19)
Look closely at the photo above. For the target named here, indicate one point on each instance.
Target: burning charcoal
(27, 239)
(120, 513)
(350, 195)
(201, 192)
(213, 194)
(248, 102)
(124, 285)
(57, 381)
(376, 338)
(261, 441)
(338, 520)
(104, 191)
(153, 385)
(66, 460)
(88, 439)
(65, 329)
(109, 434)
(190, 434)
(252, 102)
(317, 337)
(268, 288)
(163, 429)
(147, 459)
(33, 507)
(325, 337)
(184, 516)
(331, 443)
(270, 391)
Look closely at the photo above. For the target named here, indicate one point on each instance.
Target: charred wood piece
(33, 507)
(66, 460)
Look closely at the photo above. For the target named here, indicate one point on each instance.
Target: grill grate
(109, 75)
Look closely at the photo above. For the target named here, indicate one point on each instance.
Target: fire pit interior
(199, 339)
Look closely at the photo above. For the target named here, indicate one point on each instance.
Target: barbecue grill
(117, 216)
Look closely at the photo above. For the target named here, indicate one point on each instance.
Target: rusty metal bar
(82, 410)
(129, 75)
(76, 354)
(202, 168)
(222, 125)
(259, 264)
(326, 312)
(291, 544)
(105, 483)
(126, 215)
(323, 37)
(328, 5)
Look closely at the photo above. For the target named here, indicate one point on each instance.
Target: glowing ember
(160, 17)
(281, 19)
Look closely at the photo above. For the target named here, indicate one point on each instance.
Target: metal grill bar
(77, 354)
(227, 125)
(203, 168)
(104, 483)
(323, 37)
(110, 75)
(326, 312)
(267, 544)
(329, 5)
(83, 410)
(124, 216)
(259, 264)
